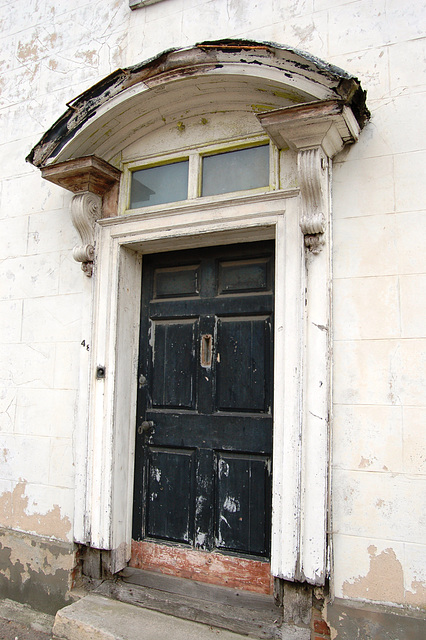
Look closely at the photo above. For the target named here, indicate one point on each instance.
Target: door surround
(297, 219)
(120, 244)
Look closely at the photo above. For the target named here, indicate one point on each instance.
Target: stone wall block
(46, 412)
(414, 440)
(373, 246)
(409, 191)
(366, 308)
(368, 437)
(25, 457)
(370, 183)
(10, 321)
(52, 318)
(368, 502)
(357, 26)
(28, 365)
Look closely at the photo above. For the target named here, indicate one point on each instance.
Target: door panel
(173, 371)
(244, 276)
(243, 345)
(168, 518)
(176, 282)
(242, 494)
(203, 471)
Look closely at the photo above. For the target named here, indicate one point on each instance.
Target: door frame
(298, 463)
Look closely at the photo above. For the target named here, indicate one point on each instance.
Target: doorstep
(243, 612)
(146, 605)
(96, 617)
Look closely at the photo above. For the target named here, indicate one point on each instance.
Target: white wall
(52, 50)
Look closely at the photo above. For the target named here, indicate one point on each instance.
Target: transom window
(199, 174)
(160, 184)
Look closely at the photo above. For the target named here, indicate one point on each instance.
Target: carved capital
(312, 165)
(326, 123)
(86, 208)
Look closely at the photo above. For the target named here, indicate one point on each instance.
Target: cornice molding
(88, 173)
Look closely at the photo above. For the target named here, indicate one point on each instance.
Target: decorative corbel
(317, 131)
(312, 221)
(86, 209)
(95, 183)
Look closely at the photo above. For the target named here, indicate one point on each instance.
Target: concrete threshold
(95, 617)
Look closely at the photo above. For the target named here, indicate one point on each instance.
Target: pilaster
(316, 131)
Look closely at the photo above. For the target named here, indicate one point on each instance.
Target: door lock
(206, 350)
(146, 426)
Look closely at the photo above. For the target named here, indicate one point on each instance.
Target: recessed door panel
(246, 276)
(243, 346)
(173, 370)
(242, 503)
(176, 282)
(170, 475)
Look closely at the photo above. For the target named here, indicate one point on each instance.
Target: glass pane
(235, 171)
(157, 185)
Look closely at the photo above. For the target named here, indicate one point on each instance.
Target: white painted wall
(52, 50)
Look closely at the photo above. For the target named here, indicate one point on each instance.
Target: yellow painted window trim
(195, 156)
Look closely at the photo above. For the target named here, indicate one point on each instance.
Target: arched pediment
(180, 84)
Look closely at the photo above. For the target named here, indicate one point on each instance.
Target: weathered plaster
(53, 51)
(384, 581)
(22, 515)
(417, 595)
(350, 620)
(35, 570)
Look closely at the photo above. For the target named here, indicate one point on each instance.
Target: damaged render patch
(14, 507)
(36, 571)
(384, 582)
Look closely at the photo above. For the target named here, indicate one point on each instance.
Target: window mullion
(194, 176)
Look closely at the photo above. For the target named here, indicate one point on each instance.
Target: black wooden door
(204, 441)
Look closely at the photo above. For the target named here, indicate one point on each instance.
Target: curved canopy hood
(229, 75)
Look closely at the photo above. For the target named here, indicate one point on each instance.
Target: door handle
(146, 426)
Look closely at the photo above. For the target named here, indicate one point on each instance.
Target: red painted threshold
(213, 568)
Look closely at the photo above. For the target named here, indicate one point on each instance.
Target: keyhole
(206, 350)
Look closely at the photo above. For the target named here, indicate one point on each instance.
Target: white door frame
(115, 341)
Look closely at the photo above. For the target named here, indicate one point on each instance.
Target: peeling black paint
(202, 57)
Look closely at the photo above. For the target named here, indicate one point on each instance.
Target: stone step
(96, 617)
